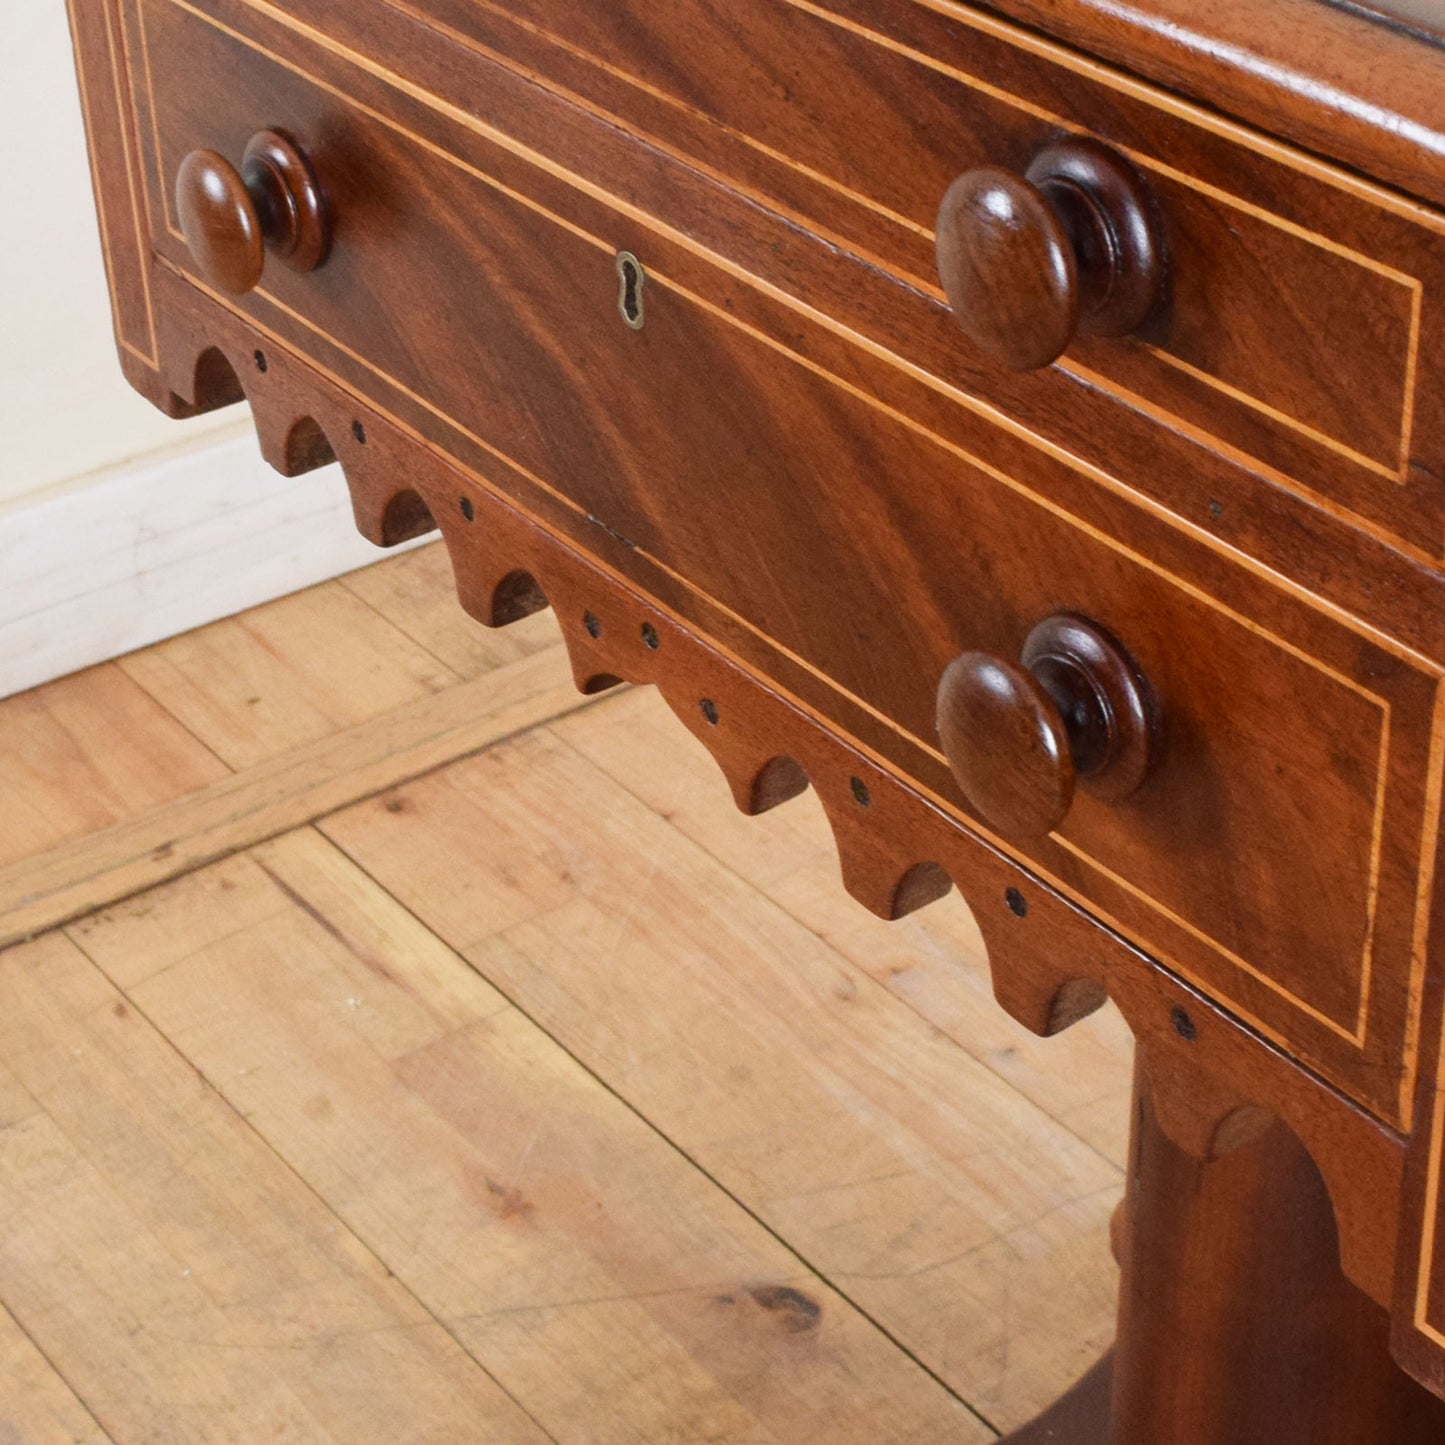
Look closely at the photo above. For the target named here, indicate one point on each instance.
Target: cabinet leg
(1236, 1323)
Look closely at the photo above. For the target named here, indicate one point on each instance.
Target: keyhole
(629, 297)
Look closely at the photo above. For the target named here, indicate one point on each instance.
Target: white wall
(118, 526)
(64, 408)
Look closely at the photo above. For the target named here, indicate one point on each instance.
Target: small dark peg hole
(1184, 1026)
(1216, 509)
(861, 795)
(1018, 905)
(359, 432)
(709, 710)
(593, 624)
(468, 511)
(650, 637)
(262, 365)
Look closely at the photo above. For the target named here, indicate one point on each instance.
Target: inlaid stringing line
(1425, 885)
(605, 198)
(150, 357)
(1398, 473)
(1216, 193)
(1374, 635)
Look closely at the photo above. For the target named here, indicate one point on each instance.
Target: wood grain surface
(567, 1244)
(1270, 255)
(87, 753)
(38, 1405)
(1320, 72)
(787, 491)
(862, 1181)
(927, 959)
(1050, 963)
(546, 1223)
(1196, 480)
(635, 436)
(250, 687)
(126, 775)
(191, 1284)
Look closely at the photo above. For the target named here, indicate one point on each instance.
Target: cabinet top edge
(1359, 82)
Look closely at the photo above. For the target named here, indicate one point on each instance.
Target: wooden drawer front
(847, 531)
(1305, 306)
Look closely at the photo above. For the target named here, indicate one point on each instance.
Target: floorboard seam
(777, 903)
(59, 1373)
(682, 1153)
(305, 1183)
(37, 918)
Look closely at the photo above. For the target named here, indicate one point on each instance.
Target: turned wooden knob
(1018, 736)
(1028, 261)
(231, 218)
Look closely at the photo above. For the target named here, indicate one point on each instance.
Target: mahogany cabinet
(1025, 425)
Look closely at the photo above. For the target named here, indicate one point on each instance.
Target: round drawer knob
(1028, 261)
(231, 218)
(1018, 736)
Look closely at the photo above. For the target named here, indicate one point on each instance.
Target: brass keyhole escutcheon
(631, 279)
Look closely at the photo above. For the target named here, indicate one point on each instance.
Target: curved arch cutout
(778, 780)
(306, 448)
(516, 596)
(924, 883)
(1076, 1000)
(214, 382)
(600, 682)
(406, 516)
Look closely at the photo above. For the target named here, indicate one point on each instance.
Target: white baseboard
(145, 551)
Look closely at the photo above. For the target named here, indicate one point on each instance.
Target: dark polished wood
(1051, 964)
(620, 303)
(1236, 1324)
(733, 414)
(220, 222)
(1006, 741)
(1231, 1334)
(1018, 736)
(1027, 261)
(1332, 75)
(1253, 357)
(230, 218)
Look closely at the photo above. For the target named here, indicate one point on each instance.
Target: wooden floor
(396, 1047)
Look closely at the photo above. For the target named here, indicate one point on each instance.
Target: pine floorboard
(934, 1195)
(580, 1257)
(431, 1054)
(188, 1285)
(933, 960)
(37, 1407)
(86, 752)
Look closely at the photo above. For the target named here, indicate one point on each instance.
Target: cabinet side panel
(115, 168)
